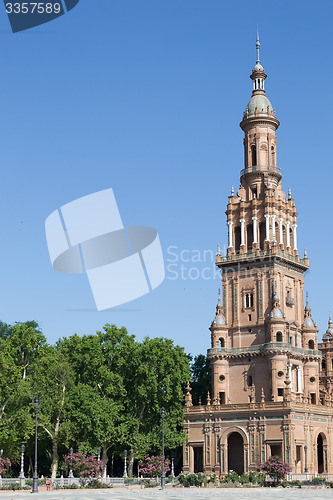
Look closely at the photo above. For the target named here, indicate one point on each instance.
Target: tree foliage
(96, 390)
(201, 377)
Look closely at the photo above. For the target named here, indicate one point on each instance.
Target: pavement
(172, 493)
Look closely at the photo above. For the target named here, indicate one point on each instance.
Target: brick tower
(264, 354)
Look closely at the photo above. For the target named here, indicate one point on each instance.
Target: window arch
(249, 237)
(311, 344)
(222, 342)
(237, 239)
(273, 158)
(323, 364)
(262, 234)
(253, 155)
(278, 336)
(249, 381)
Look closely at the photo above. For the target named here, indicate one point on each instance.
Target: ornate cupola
(308, 321)
(276, 311)
(259, 124)
(309, 328)
(218, 327)
(328, 335)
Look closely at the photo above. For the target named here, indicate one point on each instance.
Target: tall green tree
(153, 378)
(21, 346)
(96, 409)
(201, 376)
(53, 381)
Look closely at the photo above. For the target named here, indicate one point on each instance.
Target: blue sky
(146, 96)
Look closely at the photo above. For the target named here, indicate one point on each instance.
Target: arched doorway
(236, 452)
(320, 453)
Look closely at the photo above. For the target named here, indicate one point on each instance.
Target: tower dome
(219, 319)
(329, 330)
(259, 104)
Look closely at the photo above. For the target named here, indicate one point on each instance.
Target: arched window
(262, 234)
(237, 239)
(248, 299)
(311, 344)
(222, 343)
(249, 237)
(284, 234)
(323, 365)
(273, 156)
(254, 155)
(291, 238)
(249, 381)
(279, 337)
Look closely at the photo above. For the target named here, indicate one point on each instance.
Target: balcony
(262, 254)
(269, 347)
(261, 169)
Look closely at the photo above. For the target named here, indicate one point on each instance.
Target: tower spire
(258, 47)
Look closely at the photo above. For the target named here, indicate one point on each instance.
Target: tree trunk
(130, 463)
(112, 457)
(55, 460)
(105, 460)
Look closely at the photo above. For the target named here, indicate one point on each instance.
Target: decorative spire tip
(258, 46)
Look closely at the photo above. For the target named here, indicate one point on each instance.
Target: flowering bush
(5, 463)
(84, 466)
(151, 466)
(275, 467)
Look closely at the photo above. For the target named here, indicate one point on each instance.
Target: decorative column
(267, 227)
(260, 294)
(242, 221)
(225, 292)
(273, 227)
(289, 375)
(255, 232)
(261, 429)
(281, 230)
(298, 379)
(288, 234)
(306, 459)
(295, 236)
(251, 430)
(224, 458)
(230, 245)
(217, 461)
(235, 299)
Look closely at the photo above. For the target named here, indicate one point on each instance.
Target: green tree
(52, 380)
(96, 408)
(201, 377)
(153, 375)
(21, 346)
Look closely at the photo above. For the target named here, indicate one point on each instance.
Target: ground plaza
(199, 493)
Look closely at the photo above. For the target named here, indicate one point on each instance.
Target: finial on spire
(219, 296)
(258, 46)
(218, 249)
(232, 191)
(329, 317)
(305, 254)
(307, 299)
(289, 193)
